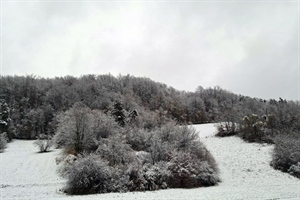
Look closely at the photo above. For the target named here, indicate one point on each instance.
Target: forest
(133, 129)
(33, 103)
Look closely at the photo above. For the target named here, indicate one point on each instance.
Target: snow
(244, 167)
(3, 122)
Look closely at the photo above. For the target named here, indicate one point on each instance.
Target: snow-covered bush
(65, 163)
(89, 175)
(159, 150)
(135, 178)
(286, 155)
(227, 129)
(104, 126)
(3, 142)
(199, 152)
(156, 176)
(295, 170)
(254, 129)
(147, 177)
(143, 157)
(115, 151)
(188, 172)
(139, 139)
(44, 142)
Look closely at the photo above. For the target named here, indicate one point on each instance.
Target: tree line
(30, 105)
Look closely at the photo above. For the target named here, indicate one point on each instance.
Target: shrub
(115, 151)
(135, 178)
(227, 129)
(286, 154)
(171, 137)
(88, 176)
(199, 152)
(184, 137)
(295, 170)
(104, 125)
(147, 177)
(156, 176)
(188, 172)
(3, 142)
(143, 157)
(139, 139)
(159, 150)
(65, 164)
(44, 142)
(255, 130)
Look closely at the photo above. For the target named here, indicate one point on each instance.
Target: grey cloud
(246, 47)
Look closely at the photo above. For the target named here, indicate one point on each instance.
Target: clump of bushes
(136, 159)
(286, 154)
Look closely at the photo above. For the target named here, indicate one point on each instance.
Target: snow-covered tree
(75, 128)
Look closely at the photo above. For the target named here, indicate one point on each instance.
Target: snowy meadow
(244, 169)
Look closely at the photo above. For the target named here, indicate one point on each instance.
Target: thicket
(286, 154)
(129, 157)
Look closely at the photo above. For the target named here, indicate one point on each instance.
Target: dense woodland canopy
(33, 103)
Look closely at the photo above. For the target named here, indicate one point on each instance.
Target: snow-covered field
(244, 167)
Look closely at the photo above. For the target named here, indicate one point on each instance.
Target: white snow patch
(206, 130)
(244, 167)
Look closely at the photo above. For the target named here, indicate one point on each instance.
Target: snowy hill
(244, 167)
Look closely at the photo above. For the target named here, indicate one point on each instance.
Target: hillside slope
(244, 168)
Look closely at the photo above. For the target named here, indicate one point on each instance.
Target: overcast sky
(247, 47)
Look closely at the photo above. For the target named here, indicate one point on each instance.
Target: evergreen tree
(132, 116)
(118, 113)
(4, 116)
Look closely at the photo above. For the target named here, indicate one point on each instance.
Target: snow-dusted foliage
(44, 142)
(255, 129)
(115, 151)
(138, 160)
(3, 142)
(75, 128)
(89, 175)
(227, 129)
(187, 171)
(147, 177)
(286, 155)
(65, 162)
(139, 139)
(104, 125)
(295, 170)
